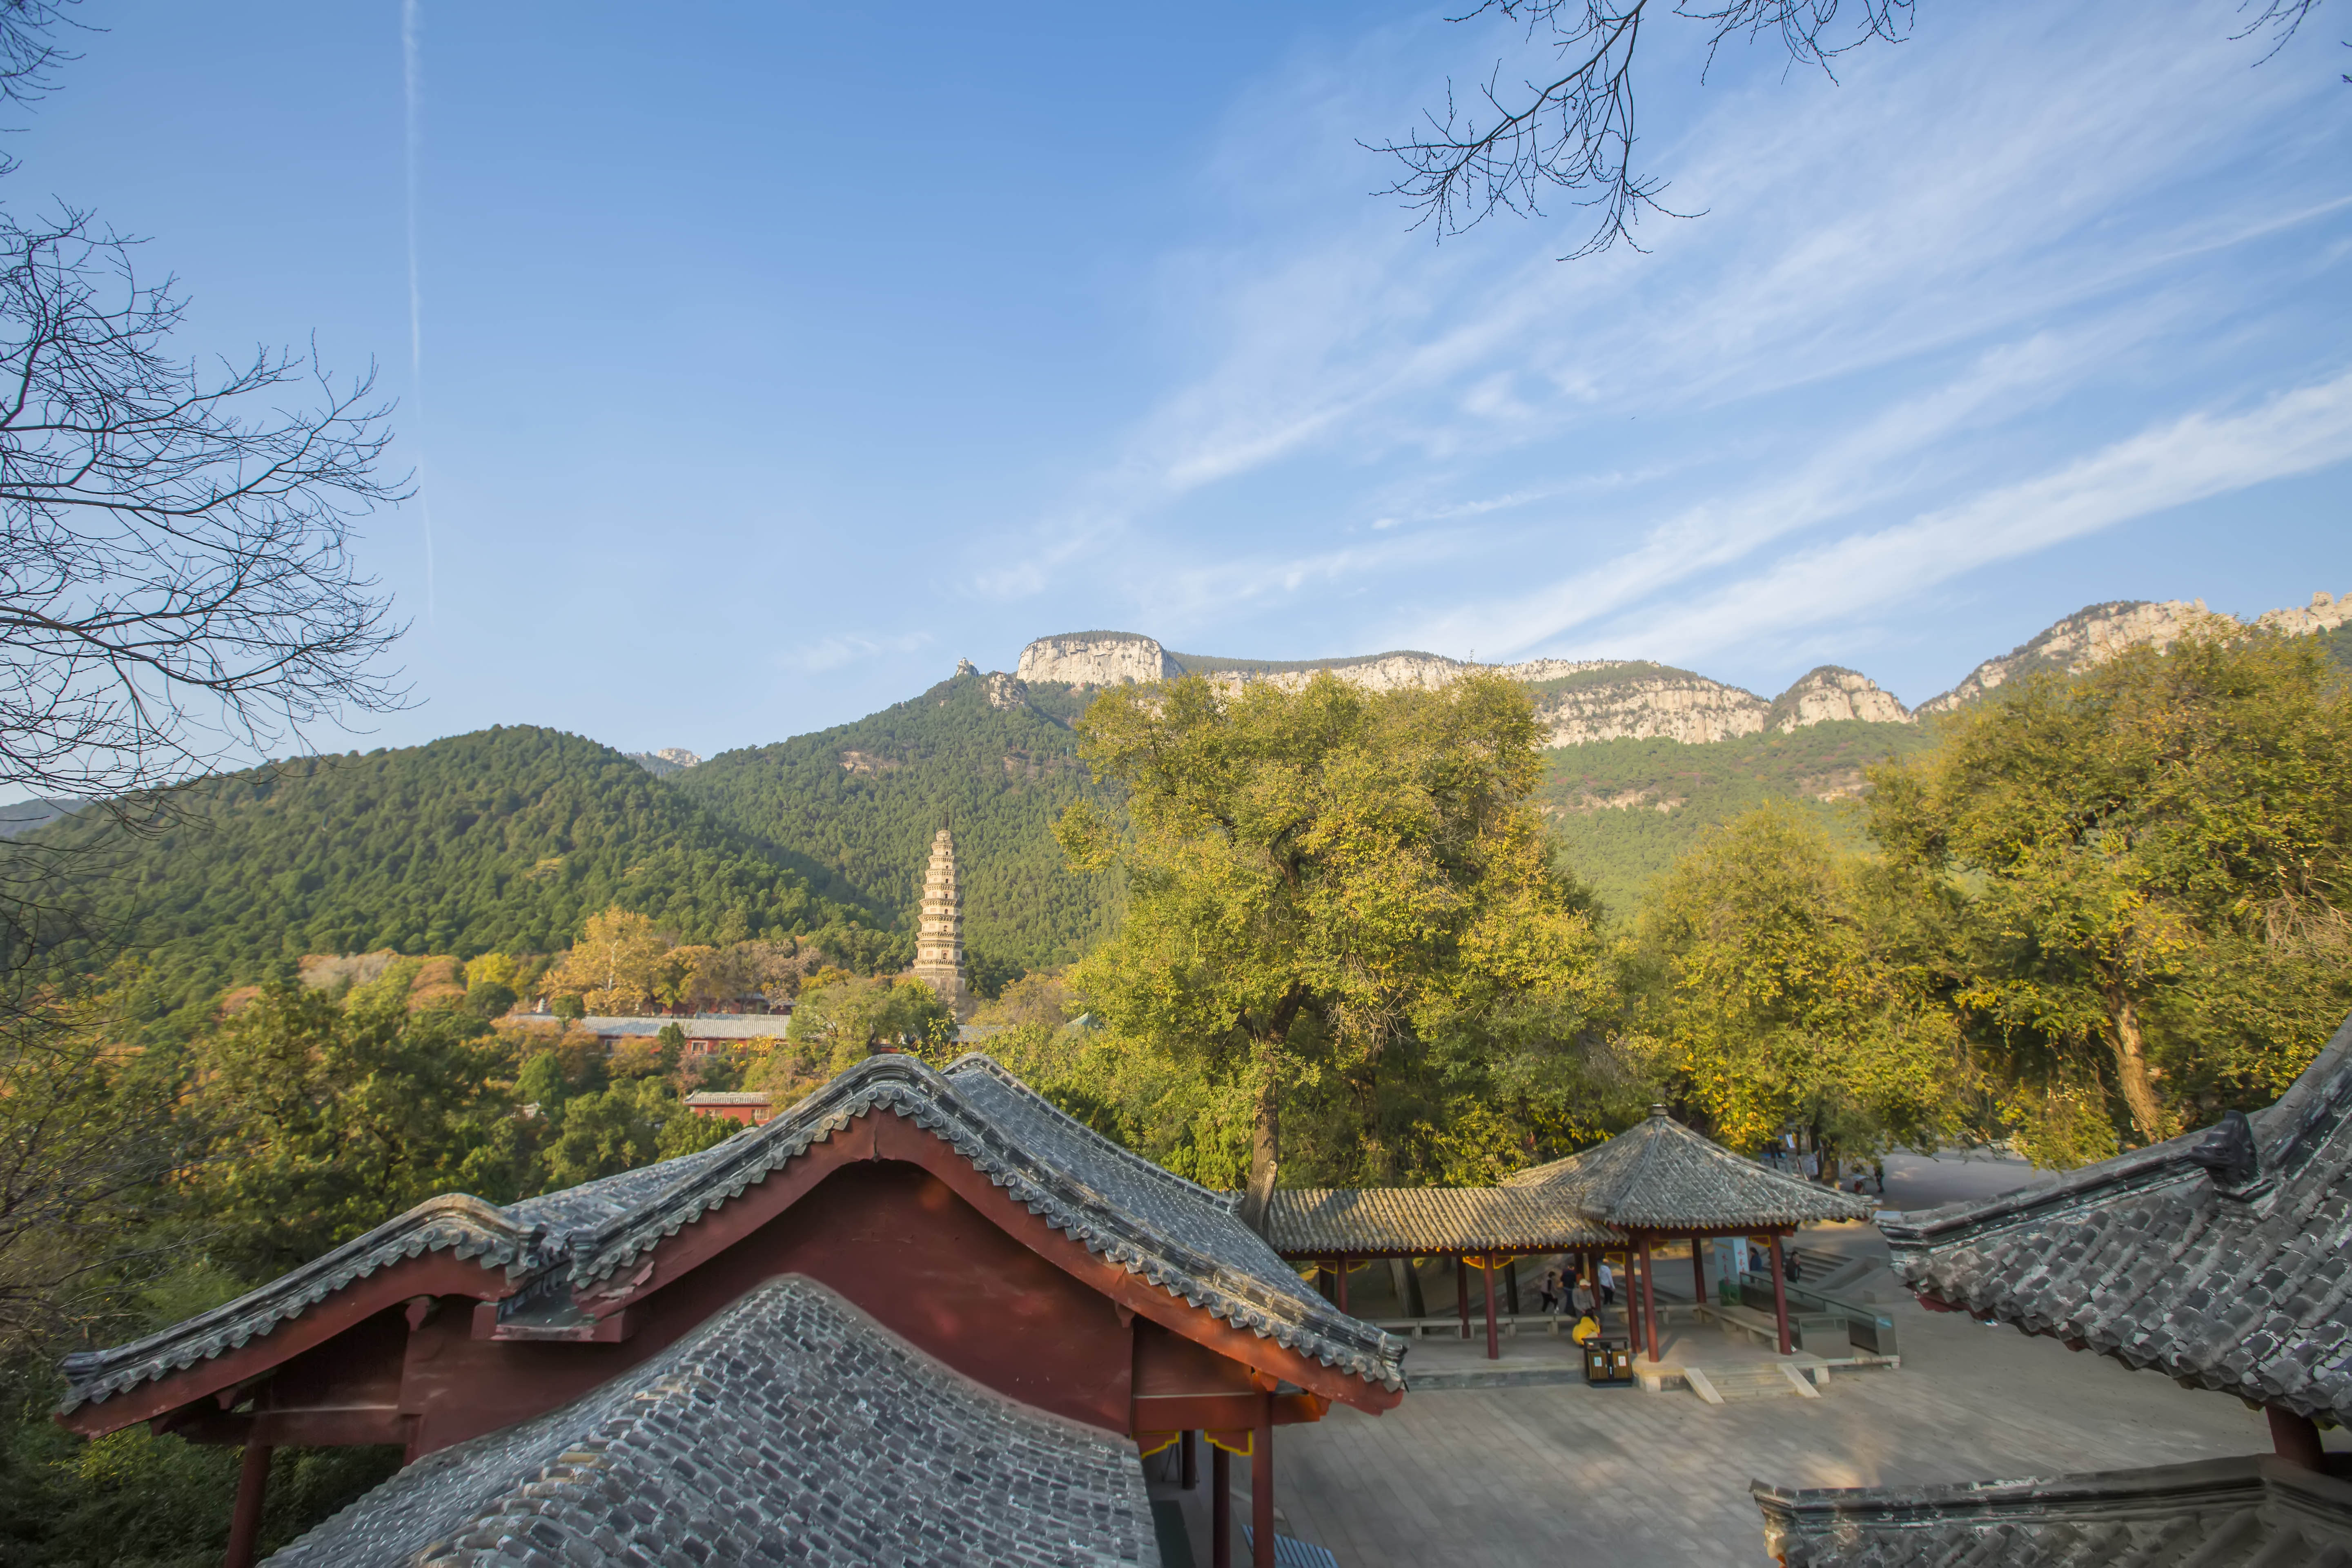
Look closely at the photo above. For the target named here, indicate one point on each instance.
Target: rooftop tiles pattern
(2251, 1512)
(1662, 1177)
(1309, 1221)
(464, 1227)
(2223, 1259)
(788, 1428)
(1179, 1237)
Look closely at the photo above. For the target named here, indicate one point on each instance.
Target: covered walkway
(1656, 1183)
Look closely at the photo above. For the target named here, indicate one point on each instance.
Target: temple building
(938, 950)
(922, 1316)
(2221, 1259)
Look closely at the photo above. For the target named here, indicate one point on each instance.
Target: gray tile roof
(2252, 1512)
(1661, 1175)
(788, 1428)
(1179, 1237)
(464, 1227)
(2223, 1259)
(1324, 1222)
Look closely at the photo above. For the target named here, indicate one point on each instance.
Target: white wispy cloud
(1933, 281)
(2170, 464)
(845, 648)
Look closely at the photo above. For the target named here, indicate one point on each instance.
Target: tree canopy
(1334, 888)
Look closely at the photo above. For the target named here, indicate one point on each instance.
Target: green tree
(1788, 983)
(1327, 880)
(2154, 854)
(320, 1121)
(842, 1017)
(634, 1123)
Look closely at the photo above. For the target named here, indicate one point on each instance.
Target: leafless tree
(176, 574)
(1569, 130)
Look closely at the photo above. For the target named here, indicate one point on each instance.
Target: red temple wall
(888, 1235)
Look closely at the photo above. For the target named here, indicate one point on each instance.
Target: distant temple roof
(789, 1426)
(1419, 1221)
(2252, 1512)
(1179, 1237)
(2223, 1259)
(1662, 1177)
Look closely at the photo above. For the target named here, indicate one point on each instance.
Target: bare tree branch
(175, 577)
(1570, 130)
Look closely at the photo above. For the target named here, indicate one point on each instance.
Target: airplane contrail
(409, 28)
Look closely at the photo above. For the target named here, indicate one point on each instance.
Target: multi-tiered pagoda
(939, 951)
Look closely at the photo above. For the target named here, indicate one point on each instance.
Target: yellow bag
(1585, 1328)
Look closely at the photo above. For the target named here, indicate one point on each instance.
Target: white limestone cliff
(1096, 658)
(2096, 633)
(1831, 693)
(1582, 701)
(1651, 704)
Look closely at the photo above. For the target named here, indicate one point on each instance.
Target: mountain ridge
(1590, 702)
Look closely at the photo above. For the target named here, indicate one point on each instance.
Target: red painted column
(1494, 1343)
(1221, 1507)
(244, 1522)
(1781, 1296)
(1462, 1290)
(2295, 1438)
(1261, 1487)
(1649, 1300)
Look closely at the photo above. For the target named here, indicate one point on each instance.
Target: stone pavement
(1570, 1475)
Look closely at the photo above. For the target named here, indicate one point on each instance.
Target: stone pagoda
(939, 951)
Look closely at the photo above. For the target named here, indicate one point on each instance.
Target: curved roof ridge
(982, 1062)
(458, 1223)
(2214, 1257)
(1198, 1250)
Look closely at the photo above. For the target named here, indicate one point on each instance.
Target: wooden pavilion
(1657, 1181)
(1480, 1227)
(952, 1224)
(1660, 1181)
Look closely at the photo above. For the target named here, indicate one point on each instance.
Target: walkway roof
(1370, 1222)
(1662, 1177)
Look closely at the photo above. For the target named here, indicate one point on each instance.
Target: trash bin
(1608, 1360)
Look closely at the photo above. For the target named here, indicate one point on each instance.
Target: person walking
(1547, 1294)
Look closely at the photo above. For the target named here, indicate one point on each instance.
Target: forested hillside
(1626, 810)
(860, 803)
(505, 839)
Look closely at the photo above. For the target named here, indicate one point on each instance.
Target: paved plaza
(1560, 1473)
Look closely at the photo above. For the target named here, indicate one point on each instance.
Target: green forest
(1624, 812)
(506, 839)
(857, 804)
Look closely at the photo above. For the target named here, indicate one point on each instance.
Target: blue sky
(773, 357)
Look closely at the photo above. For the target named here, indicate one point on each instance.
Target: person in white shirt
(1607, 1284)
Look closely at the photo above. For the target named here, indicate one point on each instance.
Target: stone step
(1732, 1383)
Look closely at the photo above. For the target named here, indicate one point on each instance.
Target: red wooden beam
(1494, 1345)
(1649, 1300)
(1462, 1290)
(1781, 1296)
(1221, 1507)
(245, 1521)
(1261, 1487)
(428, 1274)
